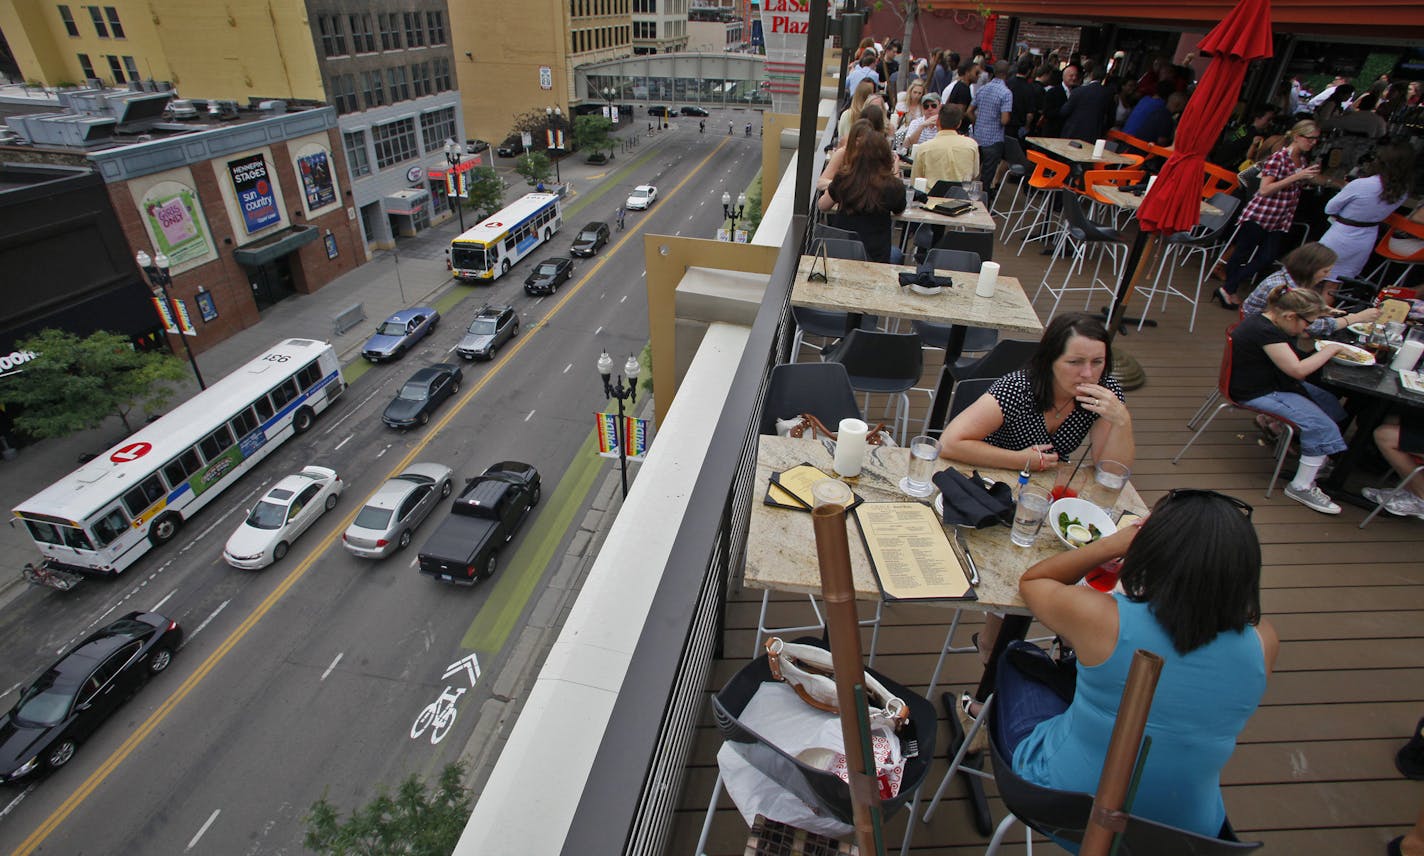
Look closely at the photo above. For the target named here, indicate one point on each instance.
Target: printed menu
(910, 553)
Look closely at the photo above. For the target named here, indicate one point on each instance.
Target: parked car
(389, 517)
(418, 397)
(491, 327)
(642, 197)
(548, 275)
(474, 147)
(694, 111)
(482, 520)
(284, 512)
(511, 147)
(399, 333)
(590, 239)
(73, 697)
(659, 110)
(181, 108)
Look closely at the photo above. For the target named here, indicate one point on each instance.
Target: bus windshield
(466, 257)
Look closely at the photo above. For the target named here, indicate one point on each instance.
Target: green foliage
(753, 213)
(534, 166)
(486, 190)
(1374, 65)
(413, 821)
(591, 133)
(536, 122)
(76, 383)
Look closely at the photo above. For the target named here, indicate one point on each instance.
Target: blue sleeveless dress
(1202, 702)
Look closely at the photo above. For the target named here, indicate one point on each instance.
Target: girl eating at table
(1307, 266)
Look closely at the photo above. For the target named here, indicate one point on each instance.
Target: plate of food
(1077, 521)
(1349, 355)
(1361, 328)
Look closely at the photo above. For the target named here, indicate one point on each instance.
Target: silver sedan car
(385, 523)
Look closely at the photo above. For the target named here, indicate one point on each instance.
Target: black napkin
(968, 503)
(925, 279)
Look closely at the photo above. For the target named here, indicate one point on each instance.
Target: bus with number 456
(103, 516)
(490, 249)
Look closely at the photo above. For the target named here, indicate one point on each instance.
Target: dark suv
(548, 275)
(511, 147)
(591, 238)
(694, 111)
(659, 110)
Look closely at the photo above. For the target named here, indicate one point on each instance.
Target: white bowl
(926, 290)
(1084, 512)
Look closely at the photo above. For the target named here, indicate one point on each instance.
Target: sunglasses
(1183, 492)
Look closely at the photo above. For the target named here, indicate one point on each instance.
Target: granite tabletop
(1131, 201)
(781, 545)
(977, 220)
(1065, 149)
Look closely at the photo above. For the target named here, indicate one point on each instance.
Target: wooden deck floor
(1313, 772)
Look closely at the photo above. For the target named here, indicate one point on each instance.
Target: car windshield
(267, 515)
(43, 703)
(547, 269)
(588, 236)
(482, 326)
(391, 328)
(414, 392)
(372, 517)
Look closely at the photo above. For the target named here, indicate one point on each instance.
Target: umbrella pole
(843, 627)
(1132, 274)
(1108, 819)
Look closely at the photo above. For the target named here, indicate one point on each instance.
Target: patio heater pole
(1109, 815)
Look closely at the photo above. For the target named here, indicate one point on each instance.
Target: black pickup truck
(482, 520)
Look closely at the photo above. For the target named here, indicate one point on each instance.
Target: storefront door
(271, 282)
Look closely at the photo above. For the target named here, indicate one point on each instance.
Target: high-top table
(976, 220)
(1132, 201)
(1082, 153)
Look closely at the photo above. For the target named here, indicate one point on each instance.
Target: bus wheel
(162, 530)
(548, 233)
(302, 420)
(504, 268)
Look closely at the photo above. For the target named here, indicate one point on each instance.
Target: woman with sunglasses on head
(1268, 216)
(1191, 576)
(1268, 375)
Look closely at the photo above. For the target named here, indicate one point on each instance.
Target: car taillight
(470, 571)
(172, 625)
(381, 542)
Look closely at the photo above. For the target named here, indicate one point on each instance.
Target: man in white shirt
(1324, 94)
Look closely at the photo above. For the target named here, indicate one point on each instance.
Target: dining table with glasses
(1079, 152)
(1377, 389)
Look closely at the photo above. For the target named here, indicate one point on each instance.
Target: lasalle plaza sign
(784, 25)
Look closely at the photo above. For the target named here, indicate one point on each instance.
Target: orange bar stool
(1407, 250)
(1048, 176)
(1218, 180)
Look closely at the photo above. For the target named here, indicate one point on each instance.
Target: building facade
(659, 26)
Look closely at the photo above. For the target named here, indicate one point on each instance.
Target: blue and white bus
(489, 250)
(103, 516)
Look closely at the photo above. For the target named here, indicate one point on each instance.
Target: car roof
(643, 188)
(407, 314)
(596, 224)
(429, 373)
(294, 483)
(392, 492)
(494, 310)
(77, 664)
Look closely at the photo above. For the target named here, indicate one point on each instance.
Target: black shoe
(1410, 759)
(1393, 848)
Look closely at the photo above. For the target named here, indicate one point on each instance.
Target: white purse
(808, 670)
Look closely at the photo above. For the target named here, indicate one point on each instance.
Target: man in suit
(1056, 90)
(1086, 109)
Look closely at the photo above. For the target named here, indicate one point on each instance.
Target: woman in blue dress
(1192, 574)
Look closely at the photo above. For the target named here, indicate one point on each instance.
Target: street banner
(316, 180)
(185, 323)
(165, 314)
(635, 435)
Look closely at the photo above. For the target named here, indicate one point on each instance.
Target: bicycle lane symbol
(439, 715)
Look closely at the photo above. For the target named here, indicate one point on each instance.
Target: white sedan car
(642, 197)
(287, 510)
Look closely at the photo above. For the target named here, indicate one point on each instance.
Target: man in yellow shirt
(950, 156)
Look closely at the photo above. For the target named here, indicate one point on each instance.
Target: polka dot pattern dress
(1024, 425)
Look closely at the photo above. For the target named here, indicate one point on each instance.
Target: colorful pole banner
(185, 323)
(636, 435)
(606, 426)
(164, 314)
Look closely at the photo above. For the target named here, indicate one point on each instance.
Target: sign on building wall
(546, 77)
(253, 186)
(316, 180)
(784, 25)
(174, 219)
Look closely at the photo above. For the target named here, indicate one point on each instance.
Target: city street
(309, 678)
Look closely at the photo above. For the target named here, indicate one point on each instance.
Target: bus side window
(144, 494)
(285, 392)
(509, 244)
(76, 538)
(264, 409)
(308, 376)
(213, 445)
(110, 526)
(178, 469)
(243, 423)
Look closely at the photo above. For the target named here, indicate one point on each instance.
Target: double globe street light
(734, 212)
(453, 180)
(556, 136)
(621, 391)
(156, 269)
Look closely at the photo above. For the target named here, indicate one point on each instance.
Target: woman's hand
(1306, 173)
(1364, 316)
(1041, 457)
(1117, 543)
(1100, 401)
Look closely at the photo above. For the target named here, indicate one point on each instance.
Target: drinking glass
(976, 190)
(1061, 483)
(1029, 514)
(1104, 576)
(831, 492)
(1112, 477)
(924, 451)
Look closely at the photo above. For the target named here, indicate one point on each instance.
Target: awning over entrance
(1385, 18)
(275, 246)
(406, 202)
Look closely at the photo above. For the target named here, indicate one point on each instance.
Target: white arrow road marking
(189, 637)
(470, 665)
(344, 442)
(16, 801)
(165, 600)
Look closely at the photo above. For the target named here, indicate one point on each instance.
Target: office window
(390, 30)
(436, 23)
(132, 68)
(414, 32)
(343, 88)
(356, 157)
(117, 70)
(86, 66)
(395, 142)
(373, 89)
(442, 75)
(420, 79)
(114, 26)
(67, 17)
(400, 83)
(363, 39)
(436, 127)
(98, 18)
(333, 37)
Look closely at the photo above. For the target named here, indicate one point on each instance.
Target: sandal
(967, 710)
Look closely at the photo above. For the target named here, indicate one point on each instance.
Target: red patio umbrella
(1174, 203)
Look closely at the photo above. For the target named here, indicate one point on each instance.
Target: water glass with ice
(1029, 514)
(924, 452)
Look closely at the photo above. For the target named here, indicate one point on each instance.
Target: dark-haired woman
(1040, 414)
(1356, 212)
(1307, 266)
(867, 194)
(1191, 574)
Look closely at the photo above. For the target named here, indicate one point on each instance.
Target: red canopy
(1242, 36)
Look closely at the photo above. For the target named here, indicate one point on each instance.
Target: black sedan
(511, 147)
(694, 111)
(548, 275)
(419, 396)
(75, 695)
(590, 239)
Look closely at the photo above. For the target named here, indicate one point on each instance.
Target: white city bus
(489, 250)
(103, 516)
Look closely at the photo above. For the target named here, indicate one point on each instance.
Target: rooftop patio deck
(1314, 771)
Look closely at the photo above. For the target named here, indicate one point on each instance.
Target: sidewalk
(416, 269)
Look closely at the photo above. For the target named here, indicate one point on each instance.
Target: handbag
(800, 426)
(807, 669)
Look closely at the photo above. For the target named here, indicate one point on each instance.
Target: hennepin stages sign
(254, 192)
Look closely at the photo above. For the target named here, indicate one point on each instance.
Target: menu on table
(910, 552)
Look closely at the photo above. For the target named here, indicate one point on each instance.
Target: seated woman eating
(1308, 266)
(1191, 574)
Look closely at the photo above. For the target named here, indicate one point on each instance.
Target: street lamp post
(734, 212)
(608, 95)
(622, 391)
(556, 120)
(156, 269)
(452, 157)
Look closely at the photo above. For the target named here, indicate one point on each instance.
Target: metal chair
(941, 258)
(824, 231)
(980, 243)
(889, 363)
(1180, 247)
(1019, 169)
(1389, 254)
(841, 248)
(1080, 235)
(1224, 402)
(823, 322)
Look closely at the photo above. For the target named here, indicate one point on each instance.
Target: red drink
(1061, 490)
(1104, 576)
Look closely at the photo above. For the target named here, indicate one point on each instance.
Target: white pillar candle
(988, 278)
(1099, 147)
(850, 447)
(922, 185)
(1408, 355)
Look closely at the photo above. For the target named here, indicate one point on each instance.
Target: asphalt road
(307, 679)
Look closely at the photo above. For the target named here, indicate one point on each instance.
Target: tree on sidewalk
(76, 383)
(534, 166)
(486, 190)
(591, 133)
(414, 821)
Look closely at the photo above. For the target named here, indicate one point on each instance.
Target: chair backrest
(824, 231)
(1227, 202)
(1014, 153)
(944, 259)
(821, 322)
(889, 362)
(980, 243)
(1223, 379)
(1159, 151)
(1399, 223)
(842, 248)
(1128, 140)
(1218, 180)
(1006, 356)
(821, 389)
(1073, 213)
(946, 189)
(966, 392)
(1095, 178)
(1250, 179)
(1048, 174)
